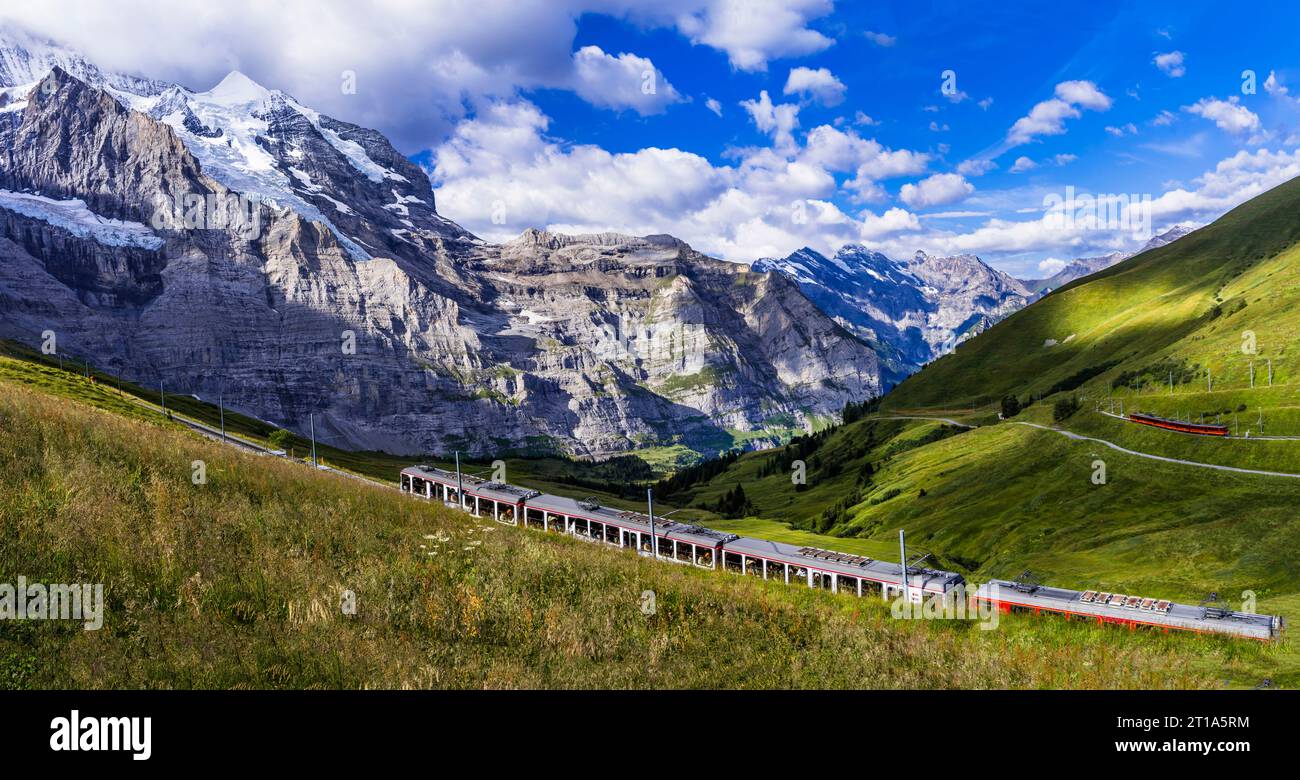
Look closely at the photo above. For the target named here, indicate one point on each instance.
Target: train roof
(847, 564)
(499, 491)
(1176, 615)
(590, 510)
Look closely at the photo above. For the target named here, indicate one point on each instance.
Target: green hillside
(1011, 495)
(1181, 309)
(237, 582)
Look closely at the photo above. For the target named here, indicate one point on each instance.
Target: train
(1178, 425)
(855, 575)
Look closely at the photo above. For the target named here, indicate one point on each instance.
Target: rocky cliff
(237, 241)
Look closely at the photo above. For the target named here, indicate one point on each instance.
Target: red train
(1177, 425)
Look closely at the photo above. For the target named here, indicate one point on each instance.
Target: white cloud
(1023, 164)
(1048, 117)
(880, 39)
(1171, 63)
(625, 81)
(985, 103)
(1164, 119)
(1064, 159)
(1122, 130)
(863, 119)
(976, 167)
(820, 85)
(420, 66)
(1051, 265)
(891, 223)
(714, 106)
(1083, 93)
(1228, 115)
(752, 32)
(940, 189)
(777, 120)
(771, 202)
(1274, 87)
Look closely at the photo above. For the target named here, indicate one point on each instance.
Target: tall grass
(237, 583)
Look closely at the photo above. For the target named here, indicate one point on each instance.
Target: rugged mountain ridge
(237, 242)
(914, 310)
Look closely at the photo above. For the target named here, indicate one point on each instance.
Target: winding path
(1113, 446)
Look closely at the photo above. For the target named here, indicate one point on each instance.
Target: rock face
(912, 311)
(235, 240)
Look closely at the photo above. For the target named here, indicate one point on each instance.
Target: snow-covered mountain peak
(236, 89)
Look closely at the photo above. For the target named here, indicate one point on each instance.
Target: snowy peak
(1168, 237)
(236, 89)
(26, 59)
(914, 310)
(262, 143)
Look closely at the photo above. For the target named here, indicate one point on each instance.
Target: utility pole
(650, 507)
(460, 488)
(1270, 372)
(902, 561)
(1171, 382)
(1252, 375)
(311, 418)
(1209, 380)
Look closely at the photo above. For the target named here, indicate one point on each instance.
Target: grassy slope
(1155, 305)
(237, 582)
(1007, 497)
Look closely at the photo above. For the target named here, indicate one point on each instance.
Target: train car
(834, 571)
(1127, 610)
(1178, 425)
(586, 519)
(837, 572)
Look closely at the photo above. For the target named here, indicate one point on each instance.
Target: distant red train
(1177, 425)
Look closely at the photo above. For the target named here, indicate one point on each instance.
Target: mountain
(1199, 310)
(236, 242)
(913, 310)
(1086, 266)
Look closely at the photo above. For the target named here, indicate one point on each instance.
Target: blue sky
(774, 124)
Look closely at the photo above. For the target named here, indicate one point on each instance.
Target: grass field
(237, 583)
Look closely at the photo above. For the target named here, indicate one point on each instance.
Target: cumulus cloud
(420, 66)
(752, 32)
(714, 106)
(1048, 117)
(1228, 115)
(1171, 63)
(777, 120)
(625, 81)
(1122, 130)
(1023, 164)
(976, 167)
(940, 189)
(500, 173)
(1231, 182)
(1051, 265)
(891, 223)
(820, 85)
